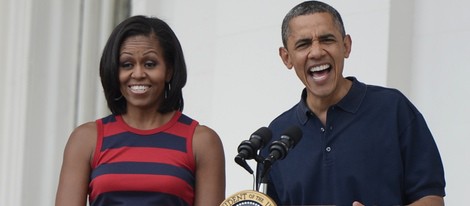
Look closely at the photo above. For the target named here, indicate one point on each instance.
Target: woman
(146, 152)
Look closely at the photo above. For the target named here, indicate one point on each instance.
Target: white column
(49, 84)
(97, 23)
(15, 37)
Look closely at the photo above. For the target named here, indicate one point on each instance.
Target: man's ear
(347, 45)
(284, 54)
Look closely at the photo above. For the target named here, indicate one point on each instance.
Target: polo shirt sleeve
(422, 164)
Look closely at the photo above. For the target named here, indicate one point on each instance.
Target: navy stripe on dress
(185, 119)
(159, 140)
(108, 119)
(138, 198)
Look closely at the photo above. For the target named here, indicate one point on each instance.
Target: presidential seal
(248, 198)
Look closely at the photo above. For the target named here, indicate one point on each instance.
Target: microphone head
(261, 136)
(279, 148)
(294, 134)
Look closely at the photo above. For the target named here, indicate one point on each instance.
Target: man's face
(316, 50)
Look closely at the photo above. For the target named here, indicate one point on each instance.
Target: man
(361, 144)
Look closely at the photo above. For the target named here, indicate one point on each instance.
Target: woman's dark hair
(172, 54)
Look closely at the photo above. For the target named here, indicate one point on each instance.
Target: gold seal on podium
(248, 198)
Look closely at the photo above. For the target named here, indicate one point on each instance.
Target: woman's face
(142, 72)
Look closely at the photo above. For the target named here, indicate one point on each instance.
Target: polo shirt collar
(350, 103)
(353, 99)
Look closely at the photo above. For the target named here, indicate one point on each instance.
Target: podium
(248, 198)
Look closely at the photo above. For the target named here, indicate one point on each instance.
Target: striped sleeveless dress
(143, 167)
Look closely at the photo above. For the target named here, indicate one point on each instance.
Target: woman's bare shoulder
(83, 139)
(206, 141)
(205, 133)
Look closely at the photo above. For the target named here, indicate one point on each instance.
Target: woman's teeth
(138, 88)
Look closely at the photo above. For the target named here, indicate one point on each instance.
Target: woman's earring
(167, 89)
(118, 98)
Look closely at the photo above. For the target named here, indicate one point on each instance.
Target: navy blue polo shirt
(375, 148)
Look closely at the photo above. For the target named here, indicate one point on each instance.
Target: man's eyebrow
(326, 36)
(303, 40)
(309, 39)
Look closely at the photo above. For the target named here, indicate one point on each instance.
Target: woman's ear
(169, 75)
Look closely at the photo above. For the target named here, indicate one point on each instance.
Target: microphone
(248, 148)
(279, 148)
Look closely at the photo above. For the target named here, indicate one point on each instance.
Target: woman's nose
(138, 72)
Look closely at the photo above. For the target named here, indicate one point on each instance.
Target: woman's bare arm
(76, 166)
(210, 167)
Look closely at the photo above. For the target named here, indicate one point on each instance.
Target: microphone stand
(262, 179)
(263, 187)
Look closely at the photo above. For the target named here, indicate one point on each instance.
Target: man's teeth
(319, 68)
(140, 88)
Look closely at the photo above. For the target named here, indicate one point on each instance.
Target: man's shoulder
(382, 92)
(288, 116)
